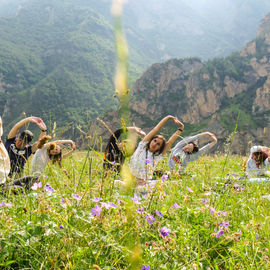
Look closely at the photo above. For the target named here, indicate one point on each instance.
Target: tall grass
(214, 222)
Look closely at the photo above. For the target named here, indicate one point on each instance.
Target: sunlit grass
(42, 230)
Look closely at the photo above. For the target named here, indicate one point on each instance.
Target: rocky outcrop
(213, 92)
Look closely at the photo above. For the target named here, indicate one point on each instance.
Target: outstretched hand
(73, 146)
(39, 122)
(178, 122)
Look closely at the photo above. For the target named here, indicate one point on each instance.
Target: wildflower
(189, 189)
(158, 213)
(8, 204)
(104, 205)
(140, 210)
(164, 177)
(219, 233)
(36, 186)
(96, 199)
(136, 199)
(96, 210)
(2, 204)
(49, 189)
(212, 210)
(225, 224)
(176, 206)
(150, 219)
(112, 205)
(204, 200)
(145, 267)
(164, 231)
(147, 161)
(61, 227)
(76, 196)
(62, 200)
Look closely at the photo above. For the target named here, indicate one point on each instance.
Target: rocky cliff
(217, 95)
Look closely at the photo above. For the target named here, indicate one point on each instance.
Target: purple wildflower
(49, 189)
(145, 267)
(204, 200)
(136, 199)
(158, 213)
(189, 189)
(2, 204)
(147, 161)
(176, 206)
(225, 224)
(104, 205)
(96, 210)
(76, 196)
(164, 177)
(140, 210)
(219, 233)
(212, 210)
(96, 199)
(8, 204)
(61, 227)
(150, 219)
(62, 200)
(164, 231)
(36, 186)
(112, 205)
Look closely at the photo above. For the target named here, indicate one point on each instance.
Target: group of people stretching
(18, 148)
(143, 158)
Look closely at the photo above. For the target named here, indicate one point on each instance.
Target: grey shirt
(180, 157)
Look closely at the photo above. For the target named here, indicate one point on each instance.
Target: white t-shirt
(40, 160)
(142, 163)
(4, 163)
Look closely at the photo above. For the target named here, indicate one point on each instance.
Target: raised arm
(72, 144)
(139, 131)
(157, 128)
(211, 135)
(173, 138)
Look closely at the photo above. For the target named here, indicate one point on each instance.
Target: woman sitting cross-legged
(151, 150)
(49, 151)
(258, 163)
(187, 150)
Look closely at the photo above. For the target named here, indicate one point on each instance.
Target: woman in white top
(49, 151)
(258, 163)
(151, 150)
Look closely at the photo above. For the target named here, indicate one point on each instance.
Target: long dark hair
(160, 150)
(260, 157)
(195, 148)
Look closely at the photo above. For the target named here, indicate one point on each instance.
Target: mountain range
(57, 58)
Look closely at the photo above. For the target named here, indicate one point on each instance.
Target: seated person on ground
(18, 144)
(258, 163)
(151, 150)
(49, 151)
(187, 150)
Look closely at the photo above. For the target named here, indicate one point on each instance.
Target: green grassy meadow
(204, 219)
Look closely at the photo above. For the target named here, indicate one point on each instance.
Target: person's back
(39, 161)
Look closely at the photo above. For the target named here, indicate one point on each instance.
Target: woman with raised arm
(151, 150)
(187, 150)
(49, 151)
(258, 163)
